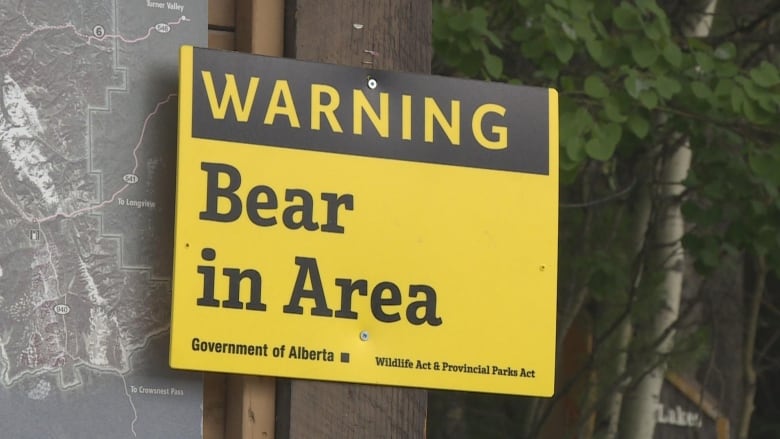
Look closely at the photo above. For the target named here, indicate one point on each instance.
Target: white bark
(667, 254)
(641, 222)
(616, 400)
(639, 413)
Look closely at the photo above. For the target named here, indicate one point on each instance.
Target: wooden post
(260, 26)
(222, 24)
(214, 394)
(399, 32)
(251, 399)
(383, 34)
(250, 407)
(222, 35)
(392, 35)
(239, 406)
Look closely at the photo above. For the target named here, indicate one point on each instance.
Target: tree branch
(757, 293)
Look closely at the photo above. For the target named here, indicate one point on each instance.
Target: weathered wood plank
(222, 40)
(324, 30)
(316, 409)
(250, 407)
(260, 26)
(214, 394)
(250, 400)
(341, 31)
(222, 13)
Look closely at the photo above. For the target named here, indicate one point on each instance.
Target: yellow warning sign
(341, 224)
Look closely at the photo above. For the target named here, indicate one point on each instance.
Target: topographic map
(87, 166)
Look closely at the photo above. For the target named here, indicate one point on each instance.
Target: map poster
(87, 162)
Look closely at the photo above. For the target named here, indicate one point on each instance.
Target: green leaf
(700, 90)
(765, 75)
(737, 99)
(757, 207)
(602, 53)
(581, 9)
(598, 26)
(568, 127)
(667, 87)
(672, 54)
(604, 141)
(567, 164)
(649, 99)
(535, 48)
(563, 50)
(695, 213)
(582, 28)
(634, 85)
(644, 4)
(595, 87)
(569, 172)
(704, 61)
(478, 19)
(725, 51)
(644, 53)
(613, 111)
(752, 112)
(575, 150)
(476, 42)
(595, 49)
(626, 17)
(494, 65)
(612, 133)
(567, 84)
(598, 150)
(750, 87)
(519, 33)
(724, 87)
(554, 12)
(569, 31)
(767, 103)
(459, 22)
(638, 125)
(550, 68)
(708, 258)
(727, 70)
(582, 120)
(765, 166)
(654, 30)
(493, 39)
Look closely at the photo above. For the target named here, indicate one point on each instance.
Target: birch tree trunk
(623, 337)
(667, 254)
(639, 412)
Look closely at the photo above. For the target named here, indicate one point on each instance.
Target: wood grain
(399, 32)
(222, 13)
(222, 40)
